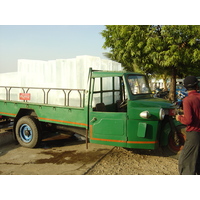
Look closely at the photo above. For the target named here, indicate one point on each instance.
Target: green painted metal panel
(142, 127)
(111, 73)
(150, 141)
(108, 128)
(47, 113)
(142, 133)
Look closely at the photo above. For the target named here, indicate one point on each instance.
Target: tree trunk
(165, 83)
(172, 92)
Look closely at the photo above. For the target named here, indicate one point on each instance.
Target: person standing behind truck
(189, 160)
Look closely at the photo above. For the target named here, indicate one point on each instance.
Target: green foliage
(168, 49)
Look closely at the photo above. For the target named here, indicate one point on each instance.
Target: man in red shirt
(189, 159)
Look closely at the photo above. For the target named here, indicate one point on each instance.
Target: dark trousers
(189, 159)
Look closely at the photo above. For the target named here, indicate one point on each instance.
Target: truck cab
(123, 112)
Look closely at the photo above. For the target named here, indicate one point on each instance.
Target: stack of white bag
(60, 73)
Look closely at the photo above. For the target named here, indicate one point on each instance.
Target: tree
(173, 50)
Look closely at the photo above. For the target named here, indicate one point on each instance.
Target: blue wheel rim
(26, 133)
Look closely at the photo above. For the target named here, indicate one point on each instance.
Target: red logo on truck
(24, 96)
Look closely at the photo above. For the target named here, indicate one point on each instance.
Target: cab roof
(112, 73)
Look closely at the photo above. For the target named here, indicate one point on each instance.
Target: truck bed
(38, 101)
(71, 116)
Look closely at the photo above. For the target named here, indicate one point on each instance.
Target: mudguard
(166, 130)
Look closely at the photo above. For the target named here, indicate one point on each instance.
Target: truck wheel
(182, 136)
(28, 132)
(173, 149)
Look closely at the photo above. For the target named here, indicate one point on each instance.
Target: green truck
(119, 111)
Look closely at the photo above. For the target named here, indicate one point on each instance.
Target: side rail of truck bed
(48, 96)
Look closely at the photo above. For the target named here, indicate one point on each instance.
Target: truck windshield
(138, 84)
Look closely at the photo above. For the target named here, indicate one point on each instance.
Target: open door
(107, 122)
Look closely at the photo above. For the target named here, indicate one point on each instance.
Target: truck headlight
(145, 114)
(161, 114)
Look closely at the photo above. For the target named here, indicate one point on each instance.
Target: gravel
(120, 161)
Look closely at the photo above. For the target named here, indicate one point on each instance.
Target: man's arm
(187, 117)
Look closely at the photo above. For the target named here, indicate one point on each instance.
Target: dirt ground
(121, 161)
(51, 158)
(72, 158)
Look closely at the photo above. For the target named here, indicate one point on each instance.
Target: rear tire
(28, 132)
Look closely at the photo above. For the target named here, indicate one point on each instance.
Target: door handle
(93, 119)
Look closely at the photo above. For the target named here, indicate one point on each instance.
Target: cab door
(107, 124)
(108, 128)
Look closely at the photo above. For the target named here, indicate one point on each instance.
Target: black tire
(28, 132)
(172, 149)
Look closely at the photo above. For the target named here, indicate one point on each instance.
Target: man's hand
(177, 117)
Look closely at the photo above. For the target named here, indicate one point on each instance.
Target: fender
(166, 130)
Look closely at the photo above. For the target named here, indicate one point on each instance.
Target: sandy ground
(76, 160)
(120, 161)
(70, 157)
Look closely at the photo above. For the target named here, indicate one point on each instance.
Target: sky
(48, 42)
(49, 29)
